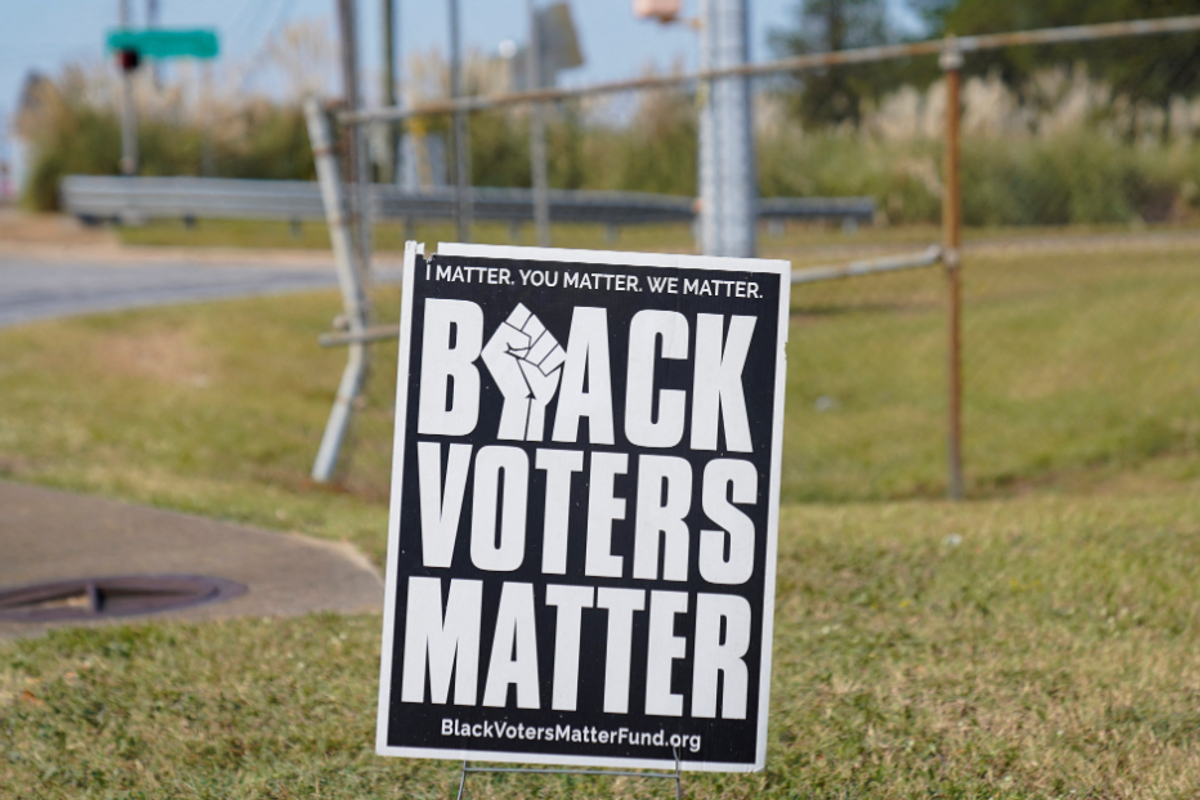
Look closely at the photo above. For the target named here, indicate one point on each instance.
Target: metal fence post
(364, 215)
(129, 133)
(391, 161)
(462, 136)
(951, 62)
(728, 193)
(350, 281)
(537, 134)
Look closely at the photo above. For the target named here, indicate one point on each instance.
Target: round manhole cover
(96, 598)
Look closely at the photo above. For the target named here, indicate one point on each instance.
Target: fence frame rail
(951, 53)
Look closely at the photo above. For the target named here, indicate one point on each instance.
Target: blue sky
(44, 35)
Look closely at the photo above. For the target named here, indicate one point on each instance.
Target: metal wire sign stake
(582, 537)
(676, 776)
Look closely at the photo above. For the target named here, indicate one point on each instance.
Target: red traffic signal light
(129, 59)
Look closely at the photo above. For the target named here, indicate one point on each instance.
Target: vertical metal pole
(951, 62)
(208, 154)
(537, 133)
(345, 10)
(357, 167)
(129, 142)
(462, 782)
(350, 281)
(462, 142)
(728, 195)
(5, 158)
(362, 201)
(391, 164)
(705, 226)
(152, 22)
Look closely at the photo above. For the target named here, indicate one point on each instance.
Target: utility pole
(349, 53)
(129, 142)
(152, 22)
(537, 133)
(462, 143)
(208, 151)
(391, 163)
(357, 166)
(728, 195)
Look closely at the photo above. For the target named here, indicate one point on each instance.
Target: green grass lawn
(1077, 368)
(802, 242)
(1032, 648)
(213, 409)
(389, 237)
(1038, 641)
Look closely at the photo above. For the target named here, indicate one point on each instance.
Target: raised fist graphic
(526, 362)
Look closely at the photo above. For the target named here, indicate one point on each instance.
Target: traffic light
(129, 59)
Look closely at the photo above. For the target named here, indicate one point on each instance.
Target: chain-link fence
(1080, 167)
(1079, 158)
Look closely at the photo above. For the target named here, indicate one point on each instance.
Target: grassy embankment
(1038, 641)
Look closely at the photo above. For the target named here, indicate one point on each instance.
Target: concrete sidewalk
(48, 535)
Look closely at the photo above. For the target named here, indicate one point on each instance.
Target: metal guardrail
(103, 198)
(100, 198)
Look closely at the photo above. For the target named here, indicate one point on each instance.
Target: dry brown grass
(170, 355)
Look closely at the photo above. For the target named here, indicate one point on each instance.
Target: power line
(248, 21)
(281, 16)
(285, 13)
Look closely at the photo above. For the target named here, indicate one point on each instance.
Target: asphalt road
(31, 290)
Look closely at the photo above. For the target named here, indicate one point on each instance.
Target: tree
(837, 94)
(1143, 68)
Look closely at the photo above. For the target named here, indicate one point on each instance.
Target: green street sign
(158, 43)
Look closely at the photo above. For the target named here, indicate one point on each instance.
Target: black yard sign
(581, 553)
